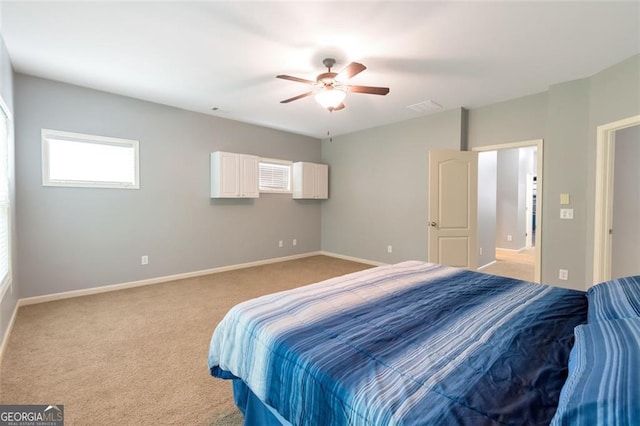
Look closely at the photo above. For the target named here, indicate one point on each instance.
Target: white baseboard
(487, 265)
(7, 333)
(353, 259)
(520, 250)
(157, 280)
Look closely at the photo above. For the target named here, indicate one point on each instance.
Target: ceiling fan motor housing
(327, 77)
(331, 90)
(329, 62)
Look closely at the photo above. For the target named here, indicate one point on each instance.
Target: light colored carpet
(139, 356)
(520, 265)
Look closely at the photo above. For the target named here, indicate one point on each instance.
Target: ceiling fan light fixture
(330, 97)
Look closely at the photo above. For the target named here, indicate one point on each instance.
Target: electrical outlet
(480, 251)
(509, 237)
(389, 249)
(280, 243)
(295, 242)
(144, 260)
(563, 274)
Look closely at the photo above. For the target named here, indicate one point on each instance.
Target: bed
(418, 343)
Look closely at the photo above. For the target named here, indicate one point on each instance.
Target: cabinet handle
(433, 224)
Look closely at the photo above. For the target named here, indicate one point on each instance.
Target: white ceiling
(197, 55)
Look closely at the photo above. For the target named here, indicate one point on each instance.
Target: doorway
(608, 235)
(511, 202)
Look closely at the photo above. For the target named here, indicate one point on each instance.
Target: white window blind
(274, 175)
(73, 159)
(5, 205)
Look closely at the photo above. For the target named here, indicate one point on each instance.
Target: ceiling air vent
(425, 107)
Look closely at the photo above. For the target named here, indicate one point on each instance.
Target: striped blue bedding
(603, 387)
(615, 299)
(413, 344)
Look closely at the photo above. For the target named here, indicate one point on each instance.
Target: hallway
(513, 264)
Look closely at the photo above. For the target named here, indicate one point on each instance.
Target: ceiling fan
(330, 88)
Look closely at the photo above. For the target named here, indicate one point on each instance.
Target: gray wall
(565, 171)
(614, 95)
(378, 184)
(566, 117)
(378, 187)
(487, 182)
(371, 208)
(10, 298)
(625, 258)
(515, 120)
(508, 211)
(77, 238)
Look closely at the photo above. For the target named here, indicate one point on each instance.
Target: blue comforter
(412, 343)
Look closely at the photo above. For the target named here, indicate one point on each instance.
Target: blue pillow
(603, 386)
(615, 299)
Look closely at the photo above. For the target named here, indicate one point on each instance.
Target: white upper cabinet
(310, 180)
(234, 175)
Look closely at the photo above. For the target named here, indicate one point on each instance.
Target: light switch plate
(564, 198)
(566, 213)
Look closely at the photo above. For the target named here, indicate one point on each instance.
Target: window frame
(48, 134)
(7, 281)
(288, 164)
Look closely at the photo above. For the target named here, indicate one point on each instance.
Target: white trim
(6, 109)
(509, 145)
(520, 250)
(7, 333)
(539, 144)
(353, 259)
(7, 280)
(605, 145)
(4, 287)
(487, 265)
(157, 280)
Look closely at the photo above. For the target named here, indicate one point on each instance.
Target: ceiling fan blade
(295, 98)
(350, 70)
(369, 90)
(299, 80)
(338, 108)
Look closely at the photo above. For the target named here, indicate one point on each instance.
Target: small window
(275, 175)
(74, 159)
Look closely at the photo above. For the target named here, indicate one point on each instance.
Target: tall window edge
(7, 281)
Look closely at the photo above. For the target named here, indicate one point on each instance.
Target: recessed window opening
(275, 175)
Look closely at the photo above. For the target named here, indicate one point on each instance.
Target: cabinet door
(225, 175)
(303, 180)
(310, 180)
(234, 175)
(321, 181)
(249, 173)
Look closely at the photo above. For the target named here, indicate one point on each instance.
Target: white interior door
(453, 208)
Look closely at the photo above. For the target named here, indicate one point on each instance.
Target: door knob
(432, 224)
